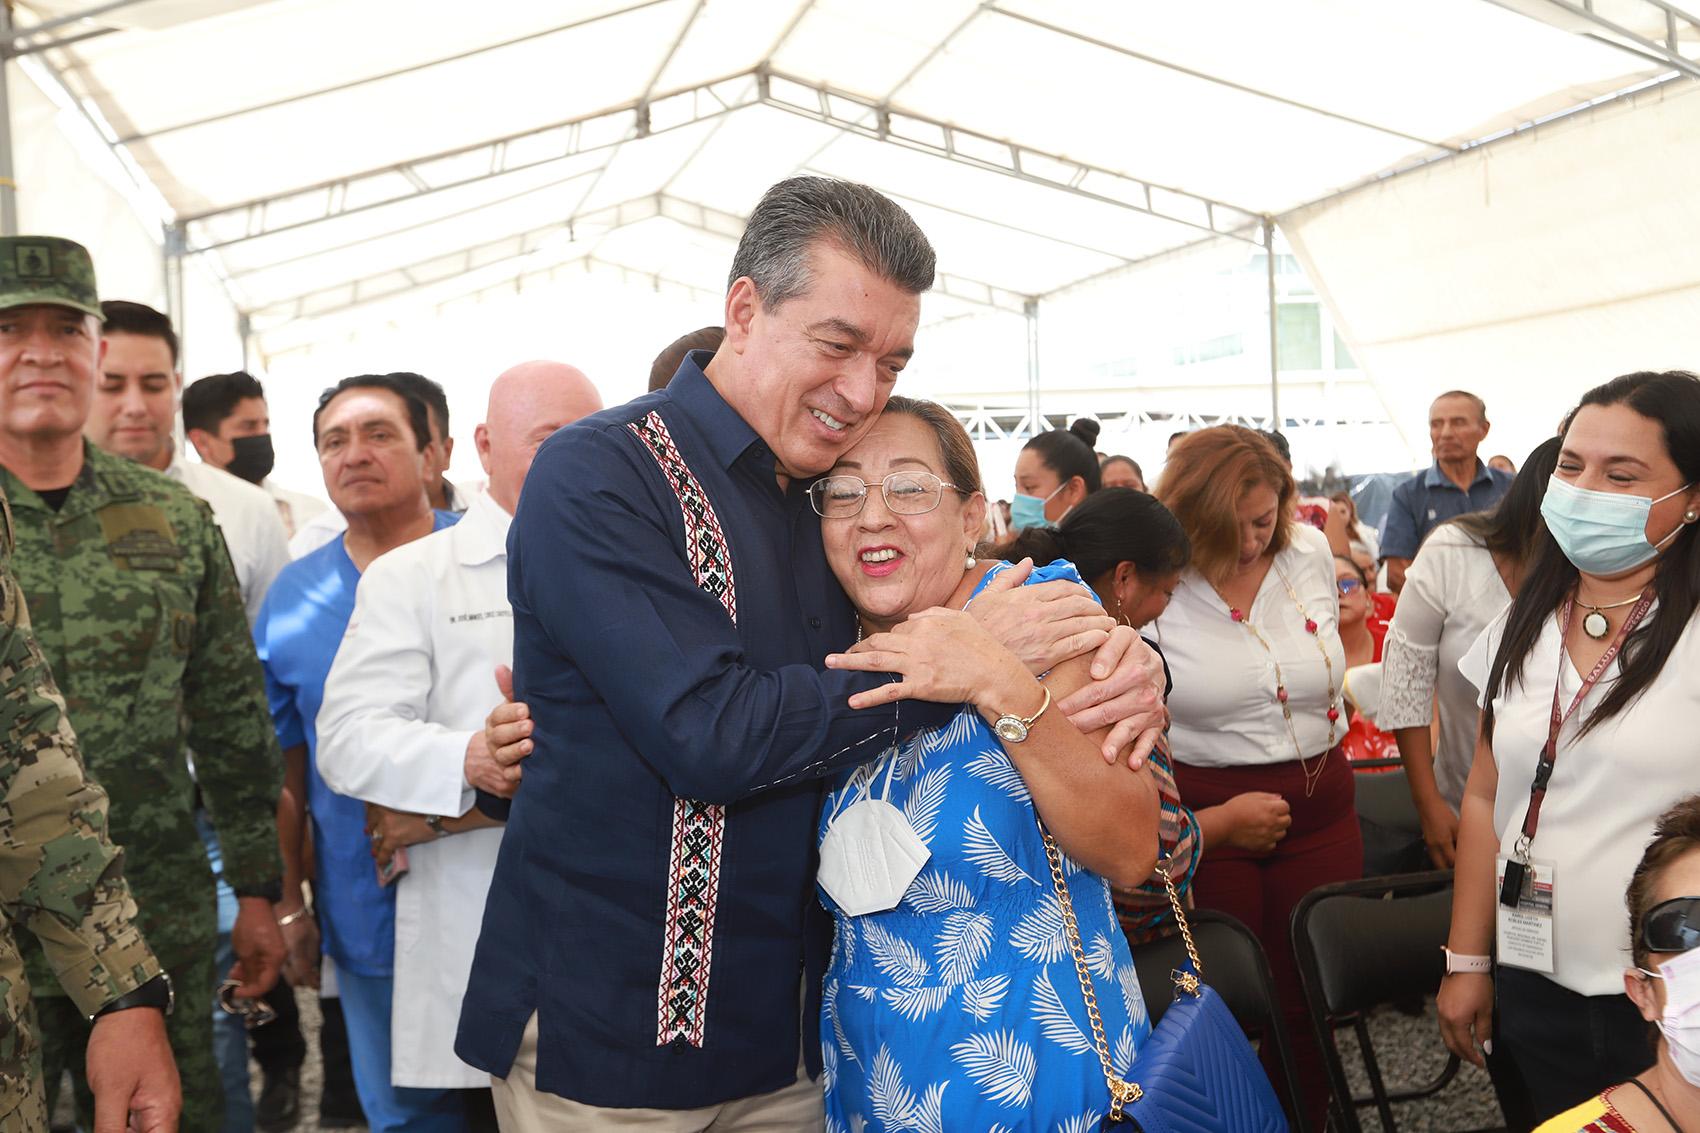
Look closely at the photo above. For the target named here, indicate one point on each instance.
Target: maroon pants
(1322, 846)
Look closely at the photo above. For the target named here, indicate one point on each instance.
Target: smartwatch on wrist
(157, 992)
(1459, 964)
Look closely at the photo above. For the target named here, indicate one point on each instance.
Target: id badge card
(1523, 934)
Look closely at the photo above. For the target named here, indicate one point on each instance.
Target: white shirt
(1607, 790)
(318, 530)
(294, 508)
(412, 682)
(1224, 708)
(1452, 591)
(1365, 536)
(245, 515)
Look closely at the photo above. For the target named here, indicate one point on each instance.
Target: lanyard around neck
(1555, 724)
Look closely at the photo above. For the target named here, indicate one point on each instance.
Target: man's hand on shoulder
(1049, 622)
(1126, 695)
(1044, 624)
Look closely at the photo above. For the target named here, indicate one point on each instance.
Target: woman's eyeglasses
(905, 493)
(1672, 926)
(1348, 585)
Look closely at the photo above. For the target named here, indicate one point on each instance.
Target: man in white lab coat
(403, 716)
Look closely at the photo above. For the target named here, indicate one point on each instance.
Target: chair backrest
(1385, 799)
(1360, 944)
(1234, 964)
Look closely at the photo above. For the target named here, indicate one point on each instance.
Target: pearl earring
(1690, 516)
(968, 561)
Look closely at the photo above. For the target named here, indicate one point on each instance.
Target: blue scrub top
(297, 635)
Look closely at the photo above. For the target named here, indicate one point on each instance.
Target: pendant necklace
(1595, 624)
(1238, 615)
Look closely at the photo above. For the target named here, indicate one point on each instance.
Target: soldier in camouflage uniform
(135, 605)
(62, 878)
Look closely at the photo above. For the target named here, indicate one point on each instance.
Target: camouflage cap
(47, 269)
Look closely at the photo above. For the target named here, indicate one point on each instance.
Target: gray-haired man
(651, 942)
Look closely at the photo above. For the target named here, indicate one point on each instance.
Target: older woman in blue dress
(959, 996)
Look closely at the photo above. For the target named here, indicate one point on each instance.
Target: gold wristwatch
(1012, 729)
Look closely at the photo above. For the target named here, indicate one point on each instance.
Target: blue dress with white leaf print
(961, 1009)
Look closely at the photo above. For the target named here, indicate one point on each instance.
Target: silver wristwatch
(1012, 729)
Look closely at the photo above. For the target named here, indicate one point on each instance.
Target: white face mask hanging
(870, 854)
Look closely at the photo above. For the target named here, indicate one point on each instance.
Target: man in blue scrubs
(372, 437)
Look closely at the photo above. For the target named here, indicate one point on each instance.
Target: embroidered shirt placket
(699, 829)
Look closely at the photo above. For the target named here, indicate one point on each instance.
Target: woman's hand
(943, 656)
(1257, 821)
(1465, 1006)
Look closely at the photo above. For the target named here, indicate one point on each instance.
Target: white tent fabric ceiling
(331, 155)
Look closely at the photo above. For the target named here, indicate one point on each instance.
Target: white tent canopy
(334, 165)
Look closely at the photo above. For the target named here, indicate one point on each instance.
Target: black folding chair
(1387, 816)
(1362, 944)
(1234, 965)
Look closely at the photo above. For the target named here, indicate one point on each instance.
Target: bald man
(402, 725)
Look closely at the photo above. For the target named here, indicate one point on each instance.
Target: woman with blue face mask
(1054, 473)
(1567, 783)
(1664, 984)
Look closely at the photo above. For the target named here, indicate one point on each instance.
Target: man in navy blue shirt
(652, 943)
(1455, 484)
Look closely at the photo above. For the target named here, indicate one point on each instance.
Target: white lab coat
(249, 521)
(294, 508)
(413, 680)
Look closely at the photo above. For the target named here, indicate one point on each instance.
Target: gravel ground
(1409, 1051)
(1408, 1048)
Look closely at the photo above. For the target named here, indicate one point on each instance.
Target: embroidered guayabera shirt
(653, 902)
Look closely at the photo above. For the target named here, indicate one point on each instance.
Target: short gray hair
(800, 212)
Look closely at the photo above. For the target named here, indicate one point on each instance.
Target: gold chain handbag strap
(1122, 1092)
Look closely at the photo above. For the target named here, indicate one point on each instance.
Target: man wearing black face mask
(226, 419)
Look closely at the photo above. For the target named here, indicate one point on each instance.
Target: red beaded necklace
(1239, 615)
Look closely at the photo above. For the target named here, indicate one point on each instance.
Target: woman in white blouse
(1618, 567)
(1464, 575)
(1257, 708)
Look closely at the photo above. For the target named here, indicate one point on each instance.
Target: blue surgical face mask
(1603, 533)
(1029, 511)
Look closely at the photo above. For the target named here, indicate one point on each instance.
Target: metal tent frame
(1186, 216)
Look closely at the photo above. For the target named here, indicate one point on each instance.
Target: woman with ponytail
(1055, 473)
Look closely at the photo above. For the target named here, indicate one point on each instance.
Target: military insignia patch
(139, 537)
(33, 261)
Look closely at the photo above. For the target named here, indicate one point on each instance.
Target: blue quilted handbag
(1197, 1073)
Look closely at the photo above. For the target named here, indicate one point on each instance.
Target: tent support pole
(8, 186)
(1274, 354)
(174, 298)
(1035, 424)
